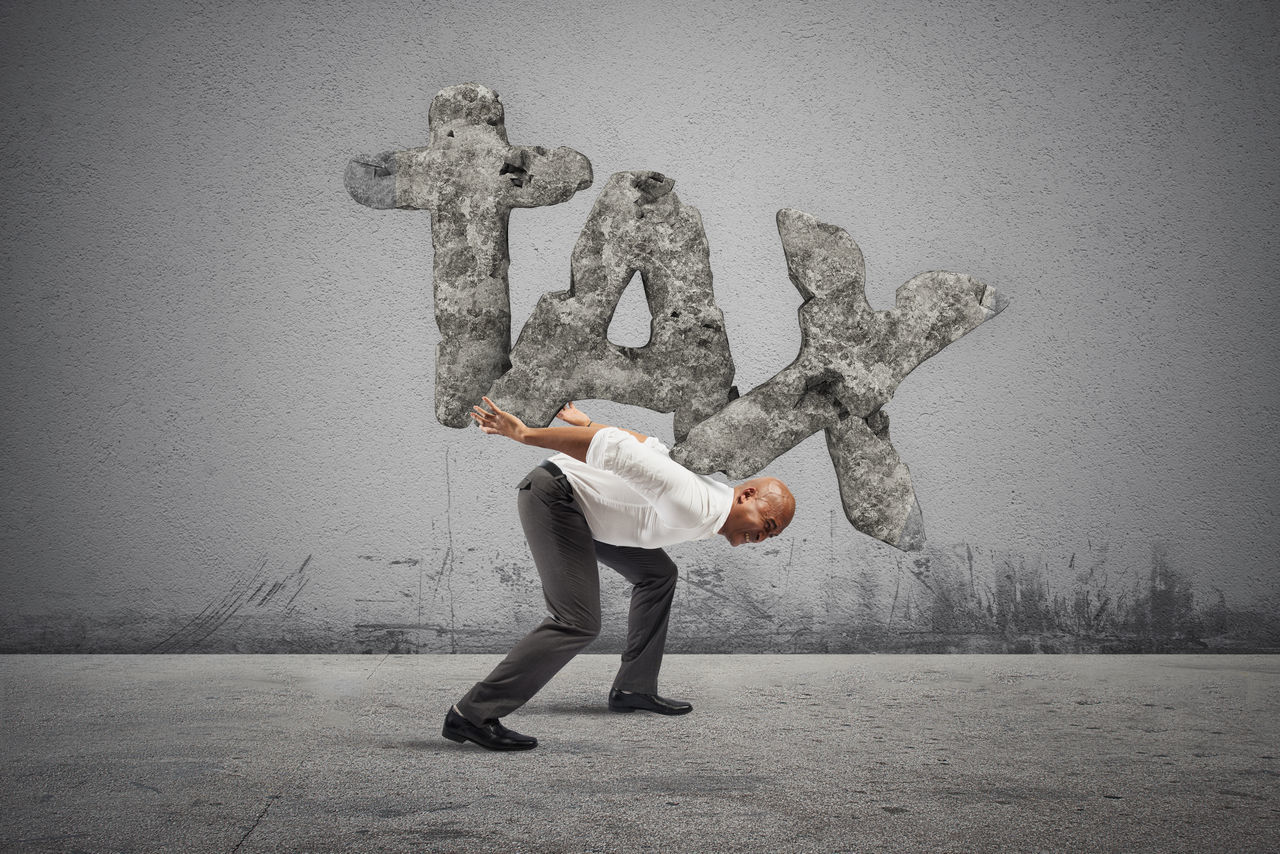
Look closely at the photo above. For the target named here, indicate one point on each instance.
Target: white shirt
(634, 494)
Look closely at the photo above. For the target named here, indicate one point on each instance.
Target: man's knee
(664, 570)
(656, 567)
(583, 628)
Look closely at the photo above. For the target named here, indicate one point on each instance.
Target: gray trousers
(567, 558)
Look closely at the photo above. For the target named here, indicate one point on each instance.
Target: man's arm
(573, 415)
(573, 440)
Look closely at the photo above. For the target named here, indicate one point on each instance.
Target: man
(615, 497)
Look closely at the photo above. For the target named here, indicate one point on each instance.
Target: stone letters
(851, 358)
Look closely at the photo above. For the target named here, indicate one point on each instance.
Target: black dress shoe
(620, 701)
(491, 734)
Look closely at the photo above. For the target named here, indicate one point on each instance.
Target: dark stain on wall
(253, 590)
(963, 599)
(1012, 606)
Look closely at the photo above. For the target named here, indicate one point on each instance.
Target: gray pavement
(800, 753)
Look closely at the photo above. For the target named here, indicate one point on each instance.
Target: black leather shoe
(623, 702)
(491, 734)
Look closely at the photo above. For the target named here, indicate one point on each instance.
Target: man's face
(760, 511)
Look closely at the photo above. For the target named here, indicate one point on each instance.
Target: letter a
(637, 225)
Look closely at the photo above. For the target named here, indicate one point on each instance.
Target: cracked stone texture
(469, 178)
(637, 225)
(851, 361)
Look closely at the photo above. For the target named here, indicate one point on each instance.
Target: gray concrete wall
(218, 369)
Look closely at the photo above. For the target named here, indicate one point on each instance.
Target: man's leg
(564, 554)
(654, 577)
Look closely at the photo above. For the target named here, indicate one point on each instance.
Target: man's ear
(747, 492)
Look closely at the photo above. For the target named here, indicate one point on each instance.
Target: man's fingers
(488, 421)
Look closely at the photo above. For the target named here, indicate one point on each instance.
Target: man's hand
(573, 415)
(499, 422)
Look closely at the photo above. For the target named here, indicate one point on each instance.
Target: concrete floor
(782, 753)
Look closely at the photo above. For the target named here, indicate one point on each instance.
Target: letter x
(850, 363)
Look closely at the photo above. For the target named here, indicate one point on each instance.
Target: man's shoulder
(612, 442)
(656, 444)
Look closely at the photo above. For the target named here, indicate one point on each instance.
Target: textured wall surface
(219, 371)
